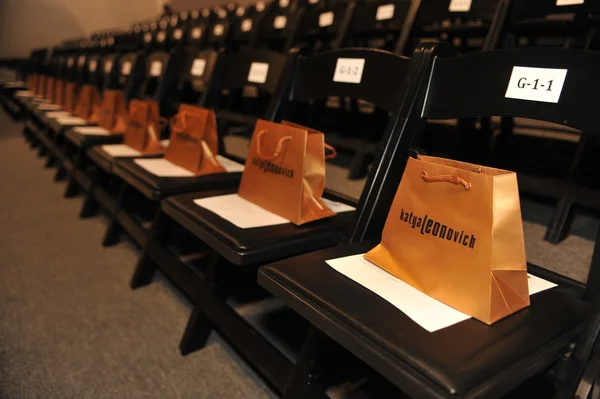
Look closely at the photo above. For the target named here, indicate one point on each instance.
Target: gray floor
(70, 327)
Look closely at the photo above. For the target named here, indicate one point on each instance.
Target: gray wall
(27, 24)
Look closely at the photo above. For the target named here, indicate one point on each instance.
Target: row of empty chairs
(433, 77)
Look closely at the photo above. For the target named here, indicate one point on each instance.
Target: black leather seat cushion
(101, 158)
(257, 245)
(157, 188)
(465, 360)
(89, 140)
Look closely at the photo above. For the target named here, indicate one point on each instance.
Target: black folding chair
(160, 73)
(550, 171)
(193, 86)
(469, 359)
(141, 191)
(226, 254)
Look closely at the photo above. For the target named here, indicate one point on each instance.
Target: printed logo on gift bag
(428, 226)
(290, 158)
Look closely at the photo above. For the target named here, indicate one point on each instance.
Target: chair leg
(559, 226)
(196, 332)
(50, 161)
(72, 185)
(199, 325)
(144, 273)
(360, 163)
(113, 234)
(308, 379)
(146, 267)
(61, 173)
(114, 231)
(561, 222)
(90, 205)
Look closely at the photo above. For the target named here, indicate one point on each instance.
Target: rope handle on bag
(278, 150)
(333, 154)
(459, 181)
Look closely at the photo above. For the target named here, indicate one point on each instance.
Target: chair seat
(468, 359)
(101, 158)
(90, 140)
(157, 188)
(259, 245)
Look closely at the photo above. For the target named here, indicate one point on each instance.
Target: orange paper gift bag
(49, 91)
(455, 233)
(112, 114)
(88, 103)
(59, 92)
(143, 129)
(285, 171)
(194, 141)
(71, 94)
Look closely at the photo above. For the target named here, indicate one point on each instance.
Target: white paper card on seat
(160, 36)
(349, 70)
(246, 25)
(120, 150)
(240, 212)
(569, 2)
(258, 72)
(280, 22)
(326, 19)
(147, 37)
(198, 67)
(92, 131)
(57, 114)
(126, 68)
(155, 68)
(429, 313)
(337, 207)
(284, 3)
(48, 107)
(460, 5)
(163, 168)
(385, 12)
(71, 121)
(229, 165)
(536, 84)
(93, 65)
(24, 93)
(177, 34)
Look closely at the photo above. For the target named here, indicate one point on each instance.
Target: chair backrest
(81, 69)
(262, 71)
(379, 77)
(160, 75)
(198, 30)
(322, 27)
(131, 73)
(197, 69)
(553, 23)
(244, 29)
(372, 75)
(279, 26)
(552, 85)
(109, 67)
(466, 25)
(380, 24)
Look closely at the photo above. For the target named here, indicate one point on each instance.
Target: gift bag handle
(333, 154)
(459, 181)
(278, 150)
